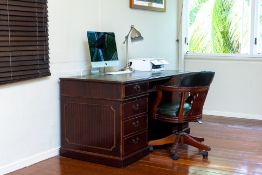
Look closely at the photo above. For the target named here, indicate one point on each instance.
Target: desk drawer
(135, 124)
(135, 107)
(134, 143)
(135, 89)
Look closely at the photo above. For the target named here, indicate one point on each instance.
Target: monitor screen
(102, 47)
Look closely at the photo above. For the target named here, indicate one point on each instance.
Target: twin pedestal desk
(104, 118)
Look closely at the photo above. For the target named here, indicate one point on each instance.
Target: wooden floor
(236, 149)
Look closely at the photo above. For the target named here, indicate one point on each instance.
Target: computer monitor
(102, 47)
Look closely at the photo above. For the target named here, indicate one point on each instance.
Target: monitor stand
(102, 70)
(98, 70)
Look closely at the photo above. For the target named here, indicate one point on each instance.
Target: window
(24, 51)
(259, 50)
(225, 26)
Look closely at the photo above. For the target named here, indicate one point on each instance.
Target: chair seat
(169, 109)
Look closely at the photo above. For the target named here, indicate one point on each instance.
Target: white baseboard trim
(232, 114)
(29, 161)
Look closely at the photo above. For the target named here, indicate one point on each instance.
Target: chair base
(181, 137)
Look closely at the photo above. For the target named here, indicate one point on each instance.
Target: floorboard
(236, 149)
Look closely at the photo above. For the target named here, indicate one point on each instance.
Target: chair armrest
(185, 92)
(182, 89)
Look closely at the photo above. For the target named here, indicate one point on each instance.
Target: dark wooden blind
(24, 50)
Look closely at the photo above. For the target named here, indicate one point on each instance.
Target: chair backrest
(198, 79)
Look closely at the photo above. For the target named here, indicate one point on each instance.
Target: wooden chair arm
(182, 91)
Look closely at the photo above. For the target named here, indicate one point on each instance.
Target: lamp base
(127, 67)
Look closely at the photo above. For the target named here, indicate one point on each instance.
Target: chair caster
(151, 148)
(205, 154)
(174, 156)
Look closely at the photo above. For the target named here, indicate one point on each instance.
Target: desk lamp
(135, 36)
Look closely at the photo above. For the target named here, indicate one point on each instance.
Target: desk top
(126, 78)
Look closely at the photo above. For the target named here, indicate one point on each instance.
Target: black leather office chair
(192, 93)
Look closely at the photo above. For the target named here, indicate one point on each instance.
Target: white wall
(158, 29)
(30, 114)
(237, 87)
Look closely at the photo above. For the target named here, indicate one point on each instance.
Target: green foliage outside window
(219, 26)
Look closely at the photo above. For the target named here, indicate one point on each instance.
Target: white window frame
(257, 27)
(254, 38)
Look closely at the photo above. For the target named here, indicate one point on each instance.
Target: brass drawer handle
(135, 141)
(137, 88)
(136, 106)
(136, 124)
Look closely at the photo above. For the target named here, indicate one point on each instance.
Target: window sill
(223, 57)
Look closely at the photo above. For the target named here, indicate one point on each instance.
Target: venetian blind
(24, 50)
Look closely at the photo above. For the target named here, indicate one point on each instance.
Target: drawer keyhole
(135, 141)
(136, 106)
(137, 88)
(136, 124)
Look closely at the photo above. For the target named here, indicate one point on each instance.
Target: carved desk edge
(134, 77)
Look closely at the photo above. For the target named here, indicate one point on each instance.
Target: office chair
(191, 94)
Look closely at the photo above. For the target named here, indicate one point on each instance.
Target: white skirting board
(29, 161)
(232, 114)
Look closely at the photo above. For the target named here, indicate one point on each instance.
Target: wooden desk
(105, 117)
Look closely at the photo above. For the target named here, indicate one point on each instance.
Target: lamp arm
(126, 37)
(126, 42)
(127, 59)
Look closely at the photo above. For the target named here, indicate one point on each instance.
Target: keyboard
(119, 72)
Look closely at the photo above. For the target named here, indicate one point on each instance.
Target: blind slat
(22, 14)
(29, 72)
(12, 44)
(22, 23)
(21, 3)
(24, 68)
(23, 63)
(15, 38)
(23, 18)
(33, 9)
(23, 28)
(31, 1)
(23, 53)
(26, 48)
(24, 58)
(23, 34)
